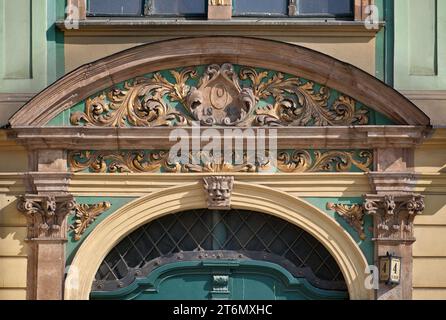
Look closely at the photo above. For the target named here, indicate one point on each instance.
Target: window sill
(146, 25)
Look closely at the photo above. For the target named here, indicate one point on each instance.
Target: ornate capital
(394, 215)
(219, 190)
(46, 215)
(353, 214)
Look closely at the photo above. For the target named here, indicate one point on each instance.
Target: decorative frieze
(324, 161)
(218, 192)
(288, 161)
(46, 215)
(85, 215)
(394, 215)
(221, 95)
(353, 214)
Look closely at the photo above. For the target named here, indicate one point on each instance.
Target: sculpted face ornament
(219, 190)
(219, 99)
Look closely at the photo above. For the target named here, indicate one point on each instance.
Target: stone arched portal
(245, 196)
(63, 122)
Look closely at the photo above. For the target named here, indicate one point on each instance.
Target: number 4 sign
(390, 269)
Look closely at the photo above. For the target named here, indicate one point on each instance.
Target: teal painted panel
(423, 37)
(31, 48)
(420, 45)
(246, 280)
(17, 39)
(110, 103)
(73, 245)
(367, 245)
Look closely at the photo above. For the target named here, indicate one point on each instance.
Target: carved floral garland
(219, 99)
(155, 161)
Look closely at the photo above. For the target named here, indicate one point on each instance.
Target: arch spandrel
(307, 64)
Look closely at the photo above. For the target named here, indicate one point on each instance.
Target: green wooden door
(227, 280)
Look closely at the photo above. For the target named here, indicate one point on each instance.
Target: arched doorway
(110, 232)
(211, 254)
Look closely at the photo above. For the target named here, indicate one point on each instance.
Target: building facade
(346, 99)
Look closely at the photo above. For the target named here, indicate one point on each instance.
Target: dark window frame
(349, 16)
(145, 14)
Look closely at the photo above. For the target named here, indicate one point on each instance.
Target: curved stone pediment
(295, 91)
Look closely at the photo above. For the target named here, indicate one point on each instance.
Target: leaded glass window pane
(176, 7)
(260, 7)
(115, 7)
(325, 7)
(146, 7)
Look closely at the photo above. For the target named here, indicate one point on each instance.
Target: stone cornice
(80, 138)
(144, 27)
(392, 182)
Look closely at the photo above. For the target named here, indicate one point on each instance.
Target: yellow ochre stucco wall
(429, 251)
(13, 248)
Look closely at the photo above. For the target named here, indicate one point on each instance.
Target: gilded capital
(46, 215)
(394, 215)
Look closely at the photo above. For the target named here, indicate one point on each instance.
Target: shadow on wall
(13, 232)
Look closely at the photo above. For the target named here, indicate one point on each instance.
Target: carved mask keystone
(219, 99)
(219, 190)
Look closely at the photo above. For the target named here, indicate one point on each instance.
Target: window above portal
(240, 8)
(155, 8)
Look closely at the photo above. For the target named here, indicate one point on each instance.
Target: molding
(16, 98)
(187, 197)
(355, 137)
(12, 184)
(424, 94)
(297, 185)
(282, 57)
(392, 182)
(119, 27)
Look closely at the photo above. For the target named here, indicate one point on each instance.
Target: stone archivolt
(223, 97)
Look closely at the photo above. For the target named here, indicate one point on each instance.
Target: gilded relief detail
(288, 161)
(220, 95)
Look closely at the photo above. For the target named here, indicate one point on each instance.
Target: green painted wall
(385, 42)
(72, 245)
(247, 280)
(366, 245)
(31, 49)
(420, 44)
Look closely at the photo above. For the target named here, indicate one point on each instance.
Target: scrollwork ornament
(46, 214)
(220, 99)
(352, 214)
